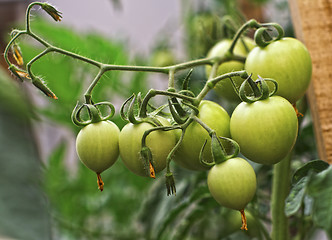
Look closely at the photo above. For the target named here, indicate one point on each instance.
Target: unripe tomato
(232, 183)
(233, 224)
(287, 61)
(213, 115)
(266, 130)
(163, 58)
(160, 143)
(225, 88)
(97, 145)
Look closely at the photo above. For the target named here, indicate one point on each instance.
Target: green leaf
(301, 179)
(23, 206)
(320, 189)
(296, 196)
(312, 166)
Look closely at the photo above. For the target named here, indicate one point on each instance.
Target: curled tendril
(94, 113)
(260, 93)
(129, 116)
(275, 84)
(110, 106)
(262, 38)
(122, 109)
(176, 116)
(222, 149)
(186, 80)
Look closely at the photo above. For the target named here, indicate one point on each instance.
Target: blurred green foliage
(23, 204)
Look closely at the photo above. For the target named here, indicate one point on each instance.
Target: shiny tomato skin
(266, 130)
(213, 115)
(232, 183)
(160, 143)
(225, 88)
(97, 145)
(287, 61)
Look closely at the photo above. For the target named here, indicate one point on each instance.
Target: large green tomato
(213, 115)
(225, 88)
(232, 183)
(97, 145)
(287, 61)
(160, 143)
(266, 130)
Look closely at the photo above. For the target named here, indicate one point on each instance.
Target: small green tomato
(232, 183)
(97, 145)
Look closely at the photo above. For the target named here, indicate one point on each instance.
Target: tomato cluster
(263, 127)
(268, 75)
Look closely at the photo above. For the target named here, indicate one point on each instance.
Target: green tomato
(213, 115)
(287, 61)
(160, 143)
(163, 58)
(266, 130)
(233, 224)
(232, 183)
(97, 145)
(225, 88)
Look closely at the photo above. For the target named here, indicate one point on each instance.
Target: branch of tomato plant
(280, 191)
(171, 70)
(211, 83)
(153, 93)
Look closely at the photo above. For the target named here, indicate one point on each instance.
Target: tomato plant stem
(280, 190)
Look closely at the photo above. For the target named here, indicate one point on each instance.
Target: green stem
(171, 78)
(280, 191)
(250, 24)
(88, 92)
(153, 93)
(210, 84)
(27, 15)
(29, 64)
(9, 44)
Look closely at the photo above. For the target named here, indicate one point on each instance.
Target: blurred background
(45, 191)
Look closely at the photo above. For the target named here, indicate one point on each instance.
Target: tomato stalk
(249, 24)
(280, 191)
(211, 83)
(244, 220)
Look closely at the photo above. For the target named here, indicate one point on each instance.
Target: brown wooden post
(312, 20)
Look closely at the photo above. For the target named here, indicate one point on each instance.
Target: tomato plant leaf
(320, 189)
(296, 196)
(23, 206)
(314, 166)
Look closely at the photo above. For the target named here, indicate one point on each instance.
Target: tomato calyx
(95, 114)
(260, 89)
(170, 184)
(262, 36)
(222, 149)
(147, 159)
